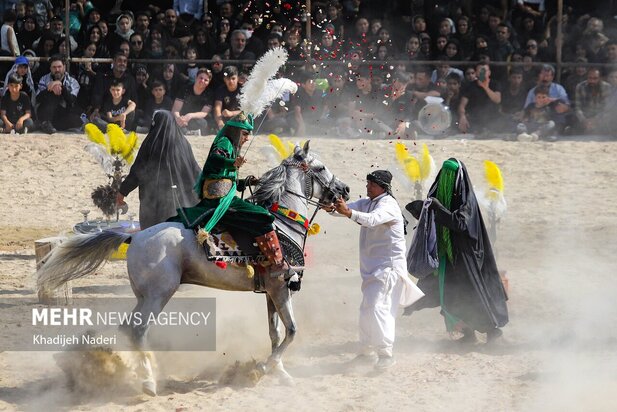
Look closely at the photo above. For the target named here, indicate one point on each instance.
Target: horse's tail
(77, 257)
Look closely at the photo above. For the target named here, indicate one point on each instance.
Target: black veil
(165, 159)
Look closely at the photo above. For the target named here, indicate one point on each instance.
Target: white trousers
(380, 297)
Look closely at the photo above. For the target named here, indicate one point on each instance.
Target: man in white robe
(383, 266)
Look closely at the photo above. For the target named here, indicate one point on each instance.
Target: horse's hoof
(261, 368)
(149, 388)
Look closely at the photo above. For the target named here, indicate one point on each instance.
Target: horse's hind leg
(147, 307)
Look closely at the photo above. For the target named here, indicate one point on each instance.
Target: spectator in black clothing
(464, 35)
(292, 43)
(204, 43)
(238, 49)
(57, 93)
(452, 50)
(513, 96)
(367, 109)
(91, 19)
(188, 71)
(28, 34)
(337, 99)
(95, 36)
(142, 24)
(419, 25)
(125, 47)
(216, 68)
(452, 98)
(307, 106)
(502, 48)
(494, 20)
(137, 49)
(398, 110)
(226, 11)
(482, 23)
(577, 76)
(253, 43)
(143, 91)
(529, 30)
(174, 85)
(158, 100)
(422, 88)
(103, 82)
(440, 45)
(86, 74)
(412, 50)
(479, 107)
(191, 107)
(117, 108)
(174, 32)
(16, 112)
(226, 104)
(45, 48)
(156, 35)
(481, 48)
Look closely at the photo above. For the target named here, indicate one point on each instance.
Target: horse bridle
(308, 184)
(308, 190)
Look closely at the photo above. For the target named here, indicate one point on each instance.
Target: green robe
(231, 211)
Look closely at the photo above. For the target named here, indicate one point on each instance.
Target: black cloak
(473, 291)
(165, 159)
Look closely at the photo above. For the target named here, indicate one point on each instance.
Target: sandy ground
(557, 242)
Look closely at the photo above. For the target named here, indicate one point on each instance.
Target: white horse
(163, 256)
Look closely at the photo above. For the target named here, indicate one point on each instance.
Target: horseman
(216, 187)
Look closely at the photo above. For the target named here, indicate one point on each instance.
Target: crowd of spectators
(362, 70)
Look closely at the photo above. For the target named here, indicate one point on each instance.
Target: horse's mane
(271, 185)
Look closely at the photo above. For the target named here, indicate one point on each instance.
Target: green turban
(241, 121)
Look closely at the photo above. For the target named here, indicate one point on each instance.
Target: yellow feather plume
(407, 161)
(494, 179)
(95, 135)
(426, 162)
(279, 146)
(401, 152)
(412, 169)
(128, 153)
(117, 139)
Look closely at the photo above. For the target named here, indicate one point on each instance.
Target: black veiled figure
(473, 291)
(165, 159)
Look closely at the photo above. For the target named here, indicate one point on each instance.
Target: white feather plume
(274, 89)
(102, 157)
(251, 100)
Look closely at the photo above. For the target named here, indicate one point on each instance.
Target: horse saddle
(223, 245)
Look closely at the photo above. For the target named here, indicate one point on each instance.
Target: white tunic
(383, 267)
(382, 237)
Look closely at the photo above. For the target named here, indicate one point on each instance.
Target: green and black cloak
(471, 292)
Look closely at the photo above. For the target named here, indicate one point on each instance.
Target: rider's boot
(271, 248)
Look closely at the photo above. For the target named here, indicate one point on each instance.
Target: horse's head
(298, 178)
(320, 182)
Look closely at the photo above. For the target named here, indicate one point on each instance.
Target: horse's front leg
(273, 324)
(280, 297)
